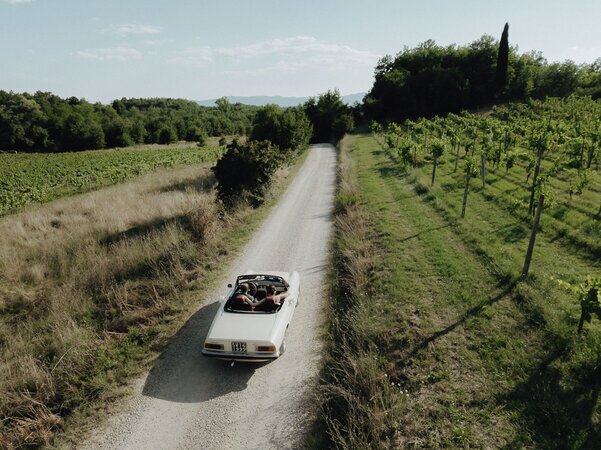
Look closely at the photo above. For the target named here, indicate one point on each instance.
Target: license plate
(239, 347)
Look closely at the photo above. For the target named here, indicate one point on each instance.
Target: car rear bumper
(231, 356)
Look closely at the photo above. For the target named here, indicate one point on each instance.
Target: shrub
(245, 171)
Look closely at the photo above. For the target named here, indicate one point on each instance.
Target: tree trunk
(581, 156)
(539, 210)
(591, 155)
(434, 170)
(483, 170)
(465, 192)
(456, 157)
(581, 321)
(539, 157)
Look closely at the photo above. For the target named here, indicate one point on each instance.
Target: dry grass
(81, 282)
(359, 406)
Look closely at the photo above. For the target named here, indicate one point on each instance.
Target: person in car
(272, 301)
(252, 291)
(242, 300)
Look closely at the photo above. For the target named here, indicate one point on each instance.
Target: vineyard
(517, 153)
(28, 178)
(476, 240)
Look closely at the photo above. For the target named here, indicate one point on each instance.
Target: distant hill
(262, 100)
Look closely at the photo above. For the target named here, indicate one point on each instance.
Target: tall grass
(86, 284)
(359, 405)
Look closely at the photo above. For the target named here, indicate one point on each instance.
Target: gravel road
(189, 401)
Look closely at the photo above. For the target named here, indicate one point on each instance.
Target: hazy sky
(198, 49)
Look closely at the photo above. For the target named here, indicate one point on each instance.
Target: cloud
(287, 54)
(127, 29)
(110, 54)
(14, 2)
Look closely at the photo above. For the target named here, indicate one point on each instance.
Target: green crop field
(29, 178)
(440, 340)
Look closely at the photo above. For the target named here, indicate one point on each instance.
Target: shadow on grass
(145, 229)
(474, 311)
(513, 233)
(558, 417)
(424, 232)
(198, 184)
(391, 171)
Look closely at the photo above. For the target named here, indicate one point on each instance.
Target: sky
(200, 49)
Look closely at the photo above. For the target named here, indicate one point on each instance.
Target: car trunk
(233, 326)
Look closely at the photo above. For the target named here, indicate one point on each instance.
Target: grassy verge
(91, 289)
(435, 341)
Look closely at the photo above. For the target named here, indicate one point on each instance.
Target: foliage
(44, 122)
(245, 171)
(289, 128)
(503, 59)
(330, 116)
(555, 141)
(588, 295)
(432, 80)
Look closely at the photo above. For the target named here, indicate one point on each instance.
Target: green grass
(31, 178)
(488, 360)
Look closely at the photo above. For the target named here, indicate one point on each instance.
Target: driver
(252, 291)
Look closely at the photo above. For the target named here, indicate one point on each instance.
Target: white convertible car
(255, 329)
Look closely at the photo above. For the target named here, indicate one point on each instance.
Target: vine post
(539, 209)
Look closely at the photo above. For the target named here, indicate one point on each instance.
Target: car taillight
(266, 348)
(213, 346)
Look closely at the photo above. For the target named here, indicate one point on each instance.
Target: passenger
(272, 301)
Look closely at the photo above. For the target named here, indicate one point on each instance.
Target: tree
(503, 59)
(330, 116)
(167, 134)
(289, 128)
(245, 171)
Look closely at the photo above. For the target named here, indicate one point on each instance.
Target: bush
(167, 135)
(330, 116)
(289, 128)
(245, 172)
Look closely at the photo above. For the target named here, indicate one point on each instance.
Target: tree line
(246, 170)
(44, 122)
(431, 79)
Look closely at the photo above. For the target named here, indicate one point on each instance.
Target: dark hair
(272, 289)
(243, 288)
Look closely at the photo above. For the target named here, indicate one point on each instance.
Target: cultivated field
(31, 178)
(456, 348)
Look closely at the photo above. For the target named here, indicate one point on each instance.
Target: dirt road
(189, 401)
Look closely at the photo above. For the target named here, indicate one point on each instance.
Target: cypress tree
(503, 59)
